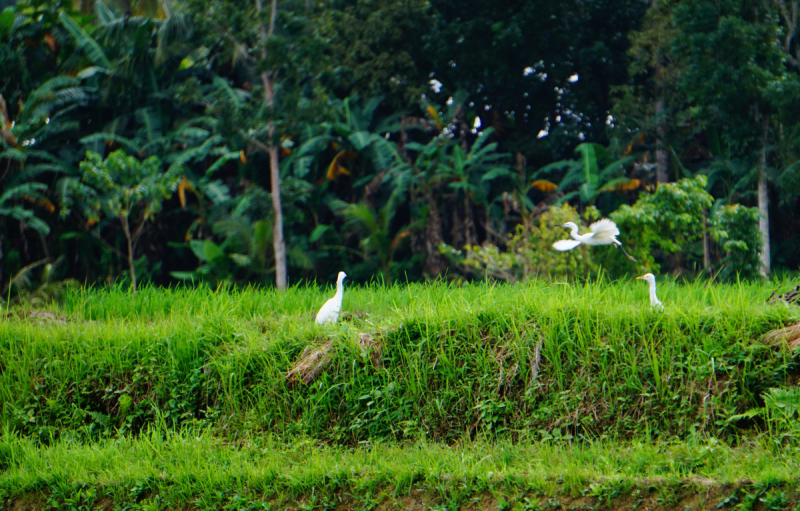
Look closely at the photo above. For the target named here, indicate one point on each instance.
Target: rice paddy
(422, 395)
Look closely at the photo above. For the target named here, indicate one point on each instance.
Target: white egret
(654, 301)
(604, 232)
(329, 312)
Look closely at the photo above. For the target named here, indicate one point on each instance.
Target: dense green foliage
(397, 127)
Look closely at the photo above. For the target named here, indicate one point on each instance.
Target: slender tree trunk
(763, 199)
(126, 229)
(455, 231)
(706, 243)
(470, 234)
(87, 6)
(434, 264)
(278, 243)
(268, 80)
(662, 156)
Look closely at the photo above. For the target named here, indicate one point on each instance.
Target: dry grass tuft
(790, 335)
(311, 363)
(373, 346)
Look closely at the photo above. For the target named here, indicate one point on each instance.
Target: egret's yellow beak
(639, 278)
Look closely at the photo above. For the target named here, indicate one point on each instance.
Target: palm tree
(374, 228)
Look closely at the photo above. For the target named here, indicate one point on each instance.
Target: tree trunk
(662, 156)
(763, 199)
(87, 6)
(278, 243)
(470, 234)
(126, 229)
(706, 243)
(456, 231)
(435, 263)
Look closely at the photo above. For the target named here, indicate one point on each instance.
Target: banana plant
(376, 237)
(586, 177)
(133, 60)
(242, 227)
(352, 135)
(471, 176)
(39, 125)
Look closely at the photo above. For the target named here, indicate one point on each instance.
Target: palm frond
(103, 12)
(150, 122)
(28, 172)
(216, 191)
(22, 279)
(300, 258)
(222, 85)
(27, 216)
(383, 153)
(361, 218)
(111, 137)
(13, 154)
(173, 30)
(25, 189)
(85, 42)
(195, 153)
(482, 139)
(222, 160)
(191, 134)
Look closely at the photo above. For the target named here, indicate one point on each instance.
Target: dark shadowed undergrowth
(533, 361)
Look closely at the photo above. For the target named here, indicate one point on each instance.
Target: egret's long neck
(574, 233)
(339, 287)
(653, 297)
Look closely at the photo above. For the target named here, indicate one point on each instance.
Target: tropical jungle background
(281, 141)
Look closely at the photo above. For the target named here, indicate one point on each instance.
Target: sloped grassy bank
(542, 396)
(535, 361)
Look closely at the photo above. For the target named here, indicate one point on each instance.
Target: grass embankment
(185, 471)
(487, 370)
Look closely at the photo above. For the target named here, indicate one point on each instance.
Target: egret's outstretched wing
(604, 232)
(565, 245)
(604, 226)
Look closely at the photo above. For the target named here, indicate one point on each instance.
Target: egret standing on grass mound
(329, 312)
(604, 232)
(654, 301)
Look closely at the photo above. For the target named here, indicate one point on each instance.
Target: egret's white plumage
(329, 312)
(604, 232)
(654, 301)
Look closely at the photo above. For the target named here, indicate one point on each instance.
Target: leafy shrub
(669, 219)
(736, 229)
(122, 188)
(529, 251)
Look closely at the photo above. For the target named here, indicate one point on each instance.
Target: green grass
(173, 470)
(457, 361)
(174, 398)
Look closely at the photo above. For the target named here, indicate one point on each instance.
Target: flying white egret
(329, 312)
(604, 232)
(654, 301)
